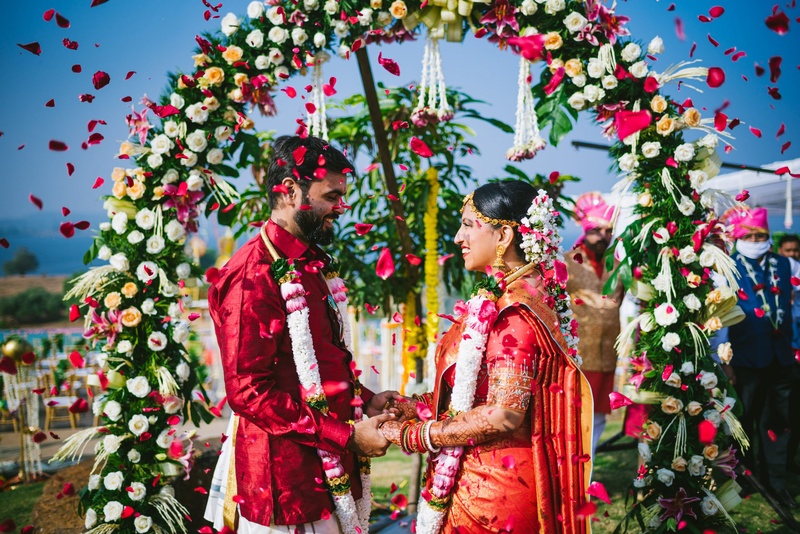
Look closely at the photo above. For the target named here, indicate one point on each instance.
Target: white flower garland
(773, 279)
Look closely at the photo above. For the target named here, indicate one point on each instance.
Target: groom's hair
(283, 163)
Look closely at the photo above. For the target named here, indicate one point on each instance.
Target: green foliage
(33, 306)
(23, 262)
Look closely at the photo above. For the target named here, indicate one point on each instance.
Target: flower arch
(133, 304)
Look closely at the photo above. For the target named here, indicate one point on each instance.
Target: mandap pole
(400, 224)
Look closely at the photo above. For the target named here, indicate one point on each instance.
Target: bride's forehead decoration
(468, 201)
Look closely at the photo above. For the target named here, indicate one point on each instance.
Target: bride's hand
(404, 408)
(391, 431)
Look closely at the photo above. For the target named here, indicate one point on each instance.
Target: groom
(278, 473)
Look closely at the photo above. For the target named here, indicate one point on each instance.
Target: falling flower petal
(716, 77)
(553, 84)
(389, 64)
(48, 15)
(598, 490)
(755, 131)
(100, 79)
(419, 147)
(58, 146)
(385, 266)
(363, 228)
(413, 260)
(706, 432)
(130, 73)
(629, 122)
(67, 229)
(77, 360)
(530, 47)
(62, 21)
(79, 406)
(71, 45)
(778, 21)
(74, 313)
(96, 3)
(400, 500)
(618, 400)
(4, 242)
(716, 11)
(50, 103)
(712, 40)
(586, 509)
(86, 97)
(679, 31)
(33, 48)
(7, 365)
(509, 462)
(77, 68)
(36, 201)
(329, 88)
(775, 68)
(98, 182)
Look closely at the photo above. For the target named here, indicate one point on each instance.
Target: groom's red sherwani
(278, 473)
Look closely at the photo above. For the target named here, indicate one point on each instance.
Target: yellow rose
(714, 297)
(119, 189)
(693, 280)
(653, 430)
(232, 54)
(679, 464)
(136, 190)
(555, 65)
(129, 290)
(665, 126)
(694, 408)
(112, 300)
(211, 103)
(375, 4)
(658, 104)
(131, 316)
(691, 117)
(398, 9)
(713, 324)
(126, 148)
(725, 352)
(671, 405)
(573, 67)
(200, 59)
(240, 78)
(236, 95)
(553, 41)
(181, 84)
(138, 173)
(246, 124)
(711, 452)
(645, 200)
(158, 192)
(118, 174)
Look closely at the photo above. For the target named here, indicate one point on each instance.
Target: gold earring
(499, 264)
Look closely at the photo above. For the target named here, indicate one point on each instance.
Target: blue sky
(153, 37)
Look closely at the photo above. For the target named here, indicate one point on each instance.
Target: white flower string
(432, 105)
(527, 138)
(317, 119)
(347, 512)
(773, 280)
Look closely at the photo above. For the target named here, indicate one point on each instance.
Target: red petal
(703, 18)
(71, 45)
(33, 47)
(712, 40)
(212, 275)
(630, 122)
(738, 55)
(755, 131)
(74, 313)
(586, 509)
(50, 103)
(4, 242)
(86, 97)
(423, 411)
(716, 77)
(781, 131)
(100, 79)
(58, 146)
(79, 406)
(77, 360)
(509, 462)
(127, 512)
(76, 68)
(785, 146)
(679, 31)
(62, 21)
(98, 182)
(618, 400)
(400, 500)
(96, 3)
(39, 437)
(68, 489)
(716, 11)
(389, 64)
(130, 73)
(290, 91)
(650, 84)
(65, 211)
(67, 229)
(70, 168)
(720, 121)
(7, 365)
(596, 489)
(413, 260)
(775, 68)
(419, 147)
(35, 201)
(48, 15)
(311, 108)
(778, 22)
(706, 432)
(329, 88)
(299, 155)
(385, 266)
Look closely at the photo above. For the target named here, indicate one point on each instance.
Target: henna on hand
(474, 427)
(404, 408)
(391, 431)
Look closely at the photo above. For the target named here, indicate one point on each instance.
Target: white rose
(661, 283)
(696, 466)
(183, 270)
(177, 100)
(255, 38)
(149, 307)
(331, 7)
(707, 258)
(276, 56)
(168, 289)
(134, 456)
(230, 24)
(105, 226)
(713, 416)
(365, 18)
(196, 141)
(163, 440)
(343, 51)
(119, 262)
(145, 219)
(665, 476)
(320, 40)
(595, 68)
(255, 9)
(181, 333)
(579, 80)
(104, 253)
(651, 149)
(113, 481)
(262, 62)
(161, 144)
(574, 22)
(687, 255)
(686, 206)
(124, 346)
(661, 235)
(340, 28)
(627, 162)
(698, 179)
(173, 404)
(673, 380)
(687, 368)
(609, 82)
(276, 15)
(113, 410)
(631, 52)
(278, 35)
(222, 133)
(707, 379)
(138, 424)
(182, 371)
(692, 302)
(710, 140)
(577, 101)
(665, 314)
(656, 46)
(551, 7)
(142, 524)
(146, 271)
(639, 482)
(170, 176)
(670, 341)
(593, 93)
(94, 482)
(684, 152)
(529, 7)
(154, 160)
(195, 182)
(644, 451)
(112, 511)
(139, 386)
(639, 69)
(139, 491)
(157, 342)
(214, 156)
(175, 231)
(190, 160)
(197, 113)
(310, 5)
(135, 237)
(174, 310)
(91, 519)
(709, 506)
(120, 222)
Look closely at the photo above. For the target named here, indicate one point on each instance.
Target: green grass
(17, 504)
(615, 470)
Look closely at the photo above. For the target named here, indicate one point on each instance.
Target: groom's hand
(367, 439)
(381, 403)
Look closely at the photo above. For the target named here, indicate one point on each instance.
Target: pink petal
(553, 84)
(509, 462)
(419, 147)
(679, 31)
(778, 22)
(706, 432)
(755, 131)
(586, 509)
(618, 400)
(596, 489)
(629, 122)
(716, 11)
(413, 260)
(389, 64)
(530, 47)
(77, 360)
(48, 15)
(716, 77)
(36, 201)
(74, 313)
(385, 266)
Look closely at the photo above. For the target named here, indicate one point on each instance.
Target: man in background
(789, 247)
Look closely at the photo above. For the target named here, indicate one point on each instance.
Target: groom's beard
(312, 225)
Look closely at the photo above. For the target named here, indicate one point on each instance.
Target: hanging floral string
(430, 220)
(432, 105)
(527, 139)
(316, 108)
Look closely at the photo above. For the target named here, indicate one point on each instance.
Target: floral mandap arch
(134, 303)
